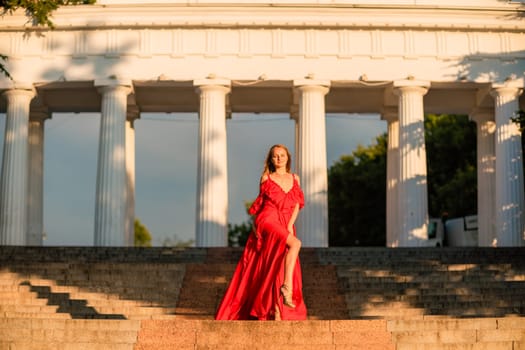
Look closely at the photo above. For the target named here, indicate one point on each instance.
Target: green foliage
(519, 118)
(177, 243)
(451, 162)
(40, 10)
(142, 235)
(357, 182)
(238, 233)
(2, 67)
(357, 197)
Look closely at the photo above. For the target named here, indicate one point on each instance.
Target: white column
(294, 115)
(212, 183)
(111, 195)
(509, 169)
(312, 223)
(392, 172)
(486, 160)
(13, 184)
(412, 179)
(35, 195)
(130, 177)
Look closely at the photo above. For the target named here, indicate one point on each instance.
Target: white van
(436, 233)
(462, 232)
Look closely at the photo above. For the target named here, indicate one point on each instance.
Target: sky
(166, 167)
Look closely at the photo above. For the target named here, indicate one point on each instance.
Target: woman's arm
(293, 218)
(257, 205)
(295, 210)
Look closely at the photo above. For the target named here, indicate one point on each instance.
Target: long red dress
(253, 292)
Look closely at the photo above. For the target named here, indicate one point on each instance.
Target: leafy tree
(451, 162)
(238, 233)
(2, 67)
(177, 243)
(142, 235)
(356, 197)
(519, 119)
(357, 182)
(39, 13)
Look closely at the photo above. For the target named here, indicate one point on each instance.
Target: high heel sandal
(287, 296)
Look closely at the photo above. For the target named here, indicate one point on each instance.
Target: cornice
(300, 15)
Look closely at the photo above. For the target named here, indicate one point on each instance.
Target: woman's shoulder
(264, 178)
(296, 177)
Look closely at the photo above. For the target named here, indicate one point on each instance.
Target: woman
(267, 283)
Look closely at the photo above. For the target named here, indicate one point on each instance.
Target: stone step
(49, 333)
(338, 255)
(117, 271)
(86, 316)
(462, 346)
(22, 300)
(121, 269)
(431, 299)
(264, 335)
(88, 283)
(494, 298)
(69, 324)
(84, 311)
(495, 333)
(13, 288)
(102, 254)
(385, 271)
(386, 313)
(435, 277)
(35, 315)
(432, 324)
(372, 269)
(411, 312)
(70, 345)
(78, 335)
(91, 299)
(144, 294)
(28, 308)
(87, 312)
(447, 286)
(460, 289)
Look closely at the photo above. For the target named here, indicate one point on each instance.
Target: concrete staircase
(403, 283)
(357, 298)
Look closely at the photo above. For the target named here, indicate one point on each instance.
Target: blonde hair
(268, 165)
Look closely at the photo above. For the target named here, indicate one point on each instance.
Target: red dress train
(253, 292)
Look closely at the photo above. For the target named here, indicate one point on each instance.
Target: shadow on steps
(78, 309)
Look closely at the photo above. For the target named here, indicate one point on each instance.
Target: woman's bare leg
(294, 245)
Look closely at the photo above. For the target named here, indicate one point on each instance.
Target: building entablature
(471, 15)
(260, 96)
(359, 42)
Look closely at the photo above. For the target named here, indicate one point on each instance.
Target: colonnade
(500, 171)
